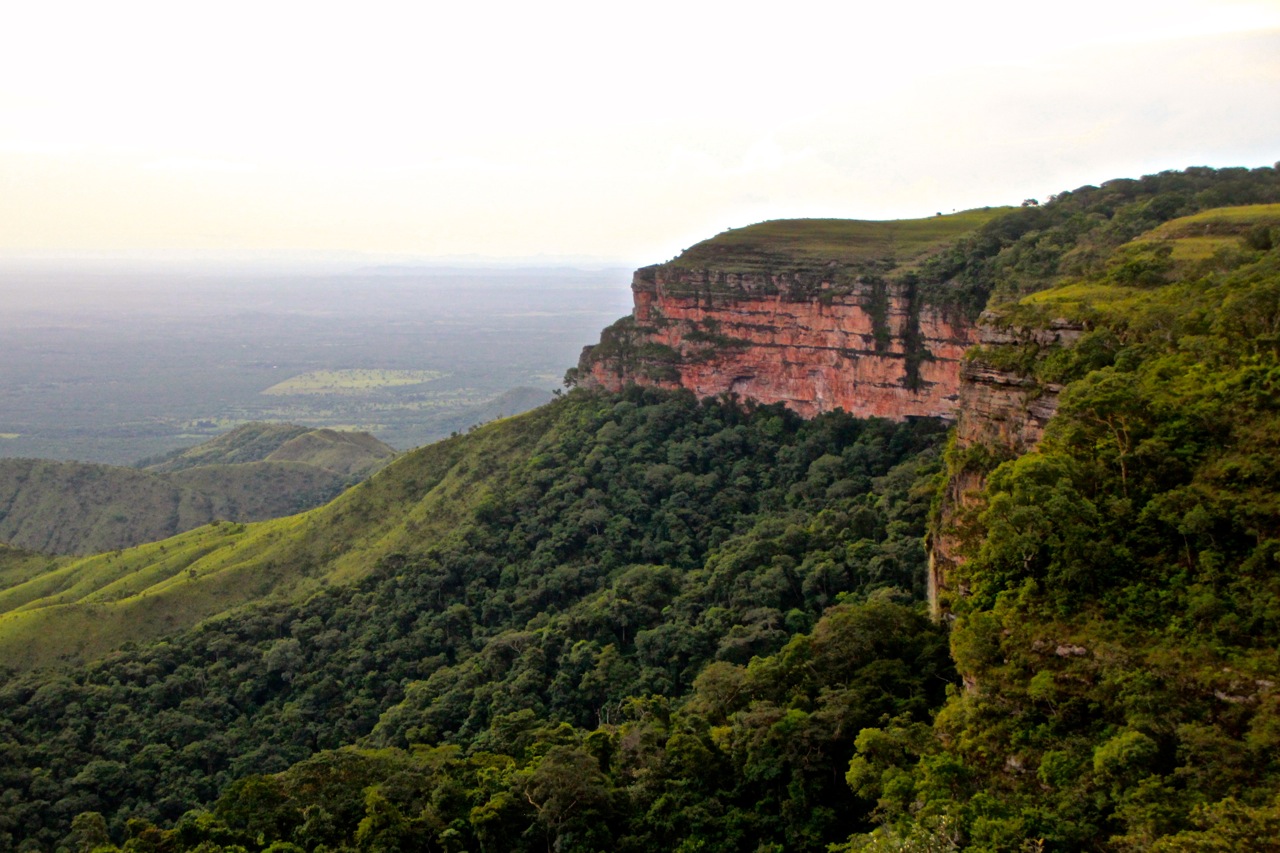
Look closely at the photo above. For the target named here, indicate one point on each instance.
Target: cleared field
(1209, 234)
(115, 366)
(352, 381)
(1236, 219)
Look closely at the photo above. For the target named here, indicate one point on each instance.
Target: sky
(588, 130)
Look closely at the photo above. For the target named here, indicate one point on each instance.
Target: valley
(659, 613)
(114, 365)
(255, 472)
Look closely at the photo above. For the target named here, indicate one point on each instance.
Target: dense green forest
(638, 540)
(644, 622)
(1119, 635)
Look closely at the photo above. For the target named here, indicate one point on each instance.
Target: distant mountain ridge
(248, 443)
(255, 472)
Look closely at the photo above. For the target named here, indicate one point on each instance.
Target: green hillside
(642, 622)
(803, 244)
(256, 472)
(95, 604)
(537, 571)
(248, 443)
(346, 453)
(1120, 632)
(18, 566)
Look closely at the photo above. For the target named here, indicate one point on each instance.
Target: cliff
(822, 315)
(603, 560)
(816, 314)
(1002, 412)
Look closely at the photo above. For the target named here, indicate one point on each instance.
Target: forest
(584, 595)
(648, 622)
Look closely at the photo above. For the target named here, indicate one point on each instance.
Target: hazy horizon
(111, 365)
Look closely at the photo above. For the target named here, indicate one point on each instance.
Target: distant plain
(106, 363)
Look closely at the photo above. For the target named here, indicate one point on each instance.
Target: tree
(88, 832)
(565, 789)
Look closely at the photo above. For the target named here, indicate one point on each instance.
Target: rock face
(1001, 414)
(814, 341)
(1001, 407)
(821, 316)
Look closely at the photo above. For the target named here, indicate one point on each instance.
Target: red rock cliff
(820, 315)
(812, 341)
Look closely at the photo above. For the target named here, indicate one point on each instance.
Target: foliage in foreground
(616, 647)
(1120, 633)
(751, 760)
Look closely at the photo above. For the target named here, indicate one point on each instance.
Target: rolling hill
(255, 472)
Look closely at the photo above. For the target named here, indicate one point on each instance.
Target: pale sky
(623, 132)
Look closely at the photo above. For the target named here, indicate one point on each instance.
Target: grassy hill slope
(89, 606)
(346, 453)
(800, 244)
(18, 566)
(644, 623)
(552, 564)
(248, 443)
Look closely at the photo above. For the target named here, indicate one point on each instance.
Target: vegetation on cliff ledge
(1120, 625)
(957, 264)
(823, 245)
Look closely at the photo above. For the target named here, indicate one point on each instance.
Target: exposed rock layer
(820, 339)
(1000, 413)
(813, 342)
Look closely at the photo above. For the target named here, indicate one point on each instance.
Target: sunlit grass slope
(18, 565)
(81, 609)
(1168, 264)
(1220, 233)
(801, 243)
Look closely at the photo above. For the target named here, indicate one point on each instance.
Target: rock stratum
(815, 314)
(1002, 413)
(623, 622)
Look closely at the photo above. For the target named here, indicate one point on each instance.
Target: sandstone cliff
(815, 314)
(1002, 412)
(820, 315)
